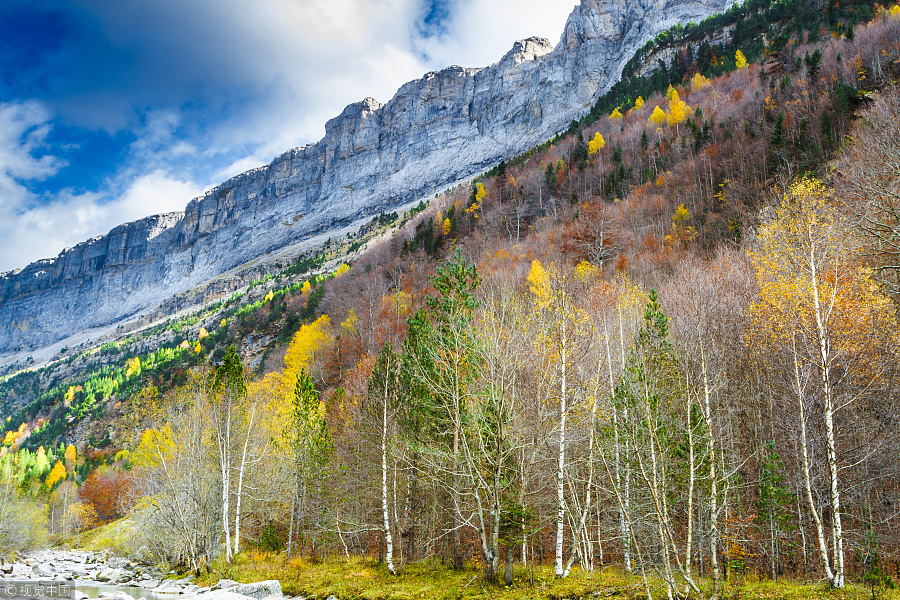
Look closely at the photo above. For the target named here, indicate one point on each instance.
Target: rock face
(437, 130)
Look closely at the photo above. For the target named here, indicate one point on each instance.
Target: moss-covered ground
(361, 578)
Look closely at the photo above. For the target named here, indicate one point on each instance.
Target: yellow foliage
(539, 284)
(698, 82)
(57, 474)
(70, 393)
(740, 61)
(895, 11)
(198, 348)
(203, 333)
(269, 296)
(671, 92)
(616, 114)
(155, 446)
(305, 288)
(586, 270)
(398, 302)
(341, 270)
(681, 231)
(223, 322)
(596, 144)
(305, 343)
(658, 117)
(660, 180)
(10, 438)
(807, 281)
(184, 345)
(70, 455)
(639, 103)
(446, 226)
(349, 324)
(133, 367)
(678, 110)
(480, 192)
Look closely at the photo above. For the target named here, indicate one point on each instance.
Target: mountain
(436, 131)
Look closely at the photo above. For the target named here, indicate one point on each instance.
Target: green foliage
(270, 538)
(229, 377)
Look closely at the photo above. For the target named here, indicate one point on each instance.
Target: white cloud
(23, 132)
(29, 233)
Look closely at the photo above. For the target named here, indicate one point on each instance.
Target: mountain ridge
(436, 131)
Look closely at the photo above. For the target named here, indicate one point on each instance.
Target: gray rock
(43, 570)
(149, 583)
(77, 595)
(169, 586)
(224, 584)
(259, 590)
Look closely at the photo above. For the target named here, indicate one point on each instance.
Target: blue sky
(112, 111)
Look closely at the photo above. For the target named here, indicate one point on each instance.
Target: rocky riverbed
(77, 570)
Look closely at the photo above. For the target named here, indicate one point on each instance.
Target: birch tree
(383, 390)
(229, 393)
(825, 313)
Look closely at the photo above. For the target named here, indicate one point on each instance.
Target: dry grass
(362, 578)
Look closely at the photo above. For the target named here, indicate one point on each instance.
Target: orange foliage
(105, 492)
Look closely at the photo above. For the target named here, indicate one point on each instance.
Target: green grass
(114, 537)
(362, 578)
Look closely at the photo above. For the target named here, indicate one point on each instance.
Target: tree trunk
(226, 483)
(560, 499)
(804, 452)
(389, 558)
(237, 506)
(713, 481)
(291, 528)
(837, 580)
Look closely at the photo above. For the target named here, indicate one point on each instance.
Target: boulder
(224, 584)
(260, 589)
(168, 586)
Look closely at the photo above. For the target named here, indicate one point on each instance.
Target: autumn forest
(665, 340)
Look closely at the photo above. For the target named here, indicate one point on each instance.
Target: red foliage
(108, 492)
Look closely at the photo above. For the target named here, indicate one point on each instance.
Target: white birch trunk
(225, 448)
(560, 498)
(837, 580)
(713, 482)
(389, 557)
(804, 452)
(240, 486)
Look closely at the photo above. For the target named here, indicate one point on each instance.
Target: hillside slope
(435, 131)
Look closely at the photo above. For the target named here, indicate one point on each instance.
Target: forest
(665, 340)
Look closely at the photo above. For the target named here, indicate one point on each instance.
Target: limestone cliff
(437, 130)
